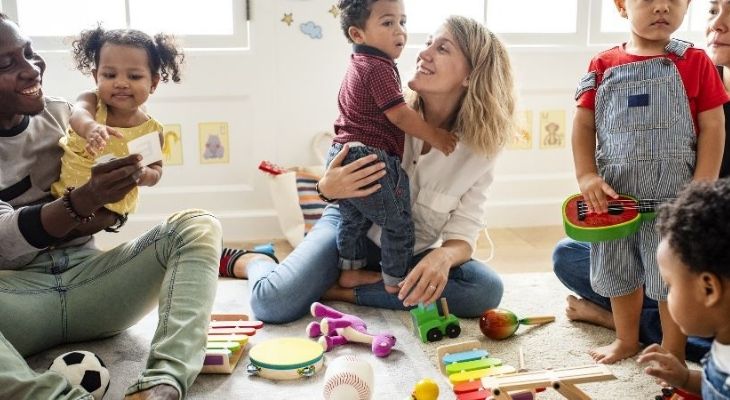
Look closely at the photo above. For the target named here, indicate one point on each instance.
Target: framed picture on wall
(552, 129)
(213, 142)
(172, 150)
(523, 139)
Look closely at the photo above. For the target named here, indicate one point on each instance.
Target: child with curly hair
(127, 65)
(694, 260)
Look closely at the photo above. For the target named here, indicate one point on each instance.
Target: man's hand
(109, 183)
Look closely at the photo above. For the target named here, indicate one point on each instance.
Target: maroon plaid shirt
(371, 87)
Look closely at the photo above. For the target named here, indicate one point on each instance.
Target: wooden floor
(515, 249)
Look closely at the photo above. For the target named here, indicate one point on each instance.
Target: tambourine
(285, 358)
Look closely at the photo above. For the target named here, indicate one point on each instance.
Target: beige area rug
(559, 344)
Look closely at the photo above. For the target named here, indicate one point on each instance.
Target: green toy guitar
(624, 217)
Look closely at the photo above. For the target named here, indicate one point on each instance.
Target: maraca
(499, 323)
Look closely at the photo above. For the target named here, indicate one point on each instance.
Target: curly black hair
(697, 225)
(353, 13)
(164, 56)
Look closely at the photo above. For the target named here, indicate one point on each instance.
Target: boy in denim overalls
(649, 120)
(694, 260)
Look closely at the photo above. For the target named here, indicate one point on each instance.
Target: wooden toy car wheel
(453, 331)
(434, 335)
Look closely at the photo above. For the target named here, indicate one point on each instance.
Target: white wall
(278, 94)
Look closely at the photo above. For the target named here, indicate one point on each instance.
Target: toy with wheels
(430, 326)
(499, 323)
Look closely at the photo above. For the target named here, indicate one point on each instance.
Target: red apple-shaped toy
(498, 323)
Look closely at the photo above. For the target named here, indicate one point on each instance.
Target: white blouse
(448, 194)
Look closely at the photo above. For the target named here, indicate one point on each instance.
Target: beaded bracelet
(70, 208)
(322, 196)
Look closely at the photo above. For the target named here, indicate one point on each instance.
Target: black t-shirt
(725, 167)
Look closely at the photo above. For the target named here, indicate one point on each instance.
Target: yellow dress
(76, 162)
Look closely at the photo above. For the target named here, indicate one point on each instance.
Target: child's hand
(665, 367)
(595, 190)
(97, 137)
(150, 175)
(445, 141)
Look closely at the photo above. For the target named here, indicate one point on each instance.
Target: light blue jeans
(71, 295)
(283, 292)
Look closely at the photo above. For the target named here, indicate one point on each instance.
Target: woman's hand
(427, 280)
(353, 180)
(109, 183)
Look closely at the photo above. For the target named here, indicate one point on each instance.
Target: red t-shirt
(702, 83)
(371, 86)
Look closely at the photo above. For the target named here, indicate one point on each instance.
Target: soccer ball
(85, 369)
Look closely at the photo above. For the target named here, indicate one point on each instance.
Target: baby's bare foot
(587, 311)
(616, 351)
(159, 392)
(351, 278)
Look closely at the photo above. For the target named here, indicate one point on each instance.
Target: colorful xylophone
(465, 364)
(227, 337)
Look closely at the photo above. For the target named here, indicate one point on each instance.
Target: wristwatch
(322, 196)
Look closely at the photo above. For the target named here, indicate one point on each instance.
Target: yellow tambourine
(286, 358)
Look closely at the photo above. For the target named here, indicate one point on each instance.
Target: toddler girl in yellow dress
(127, 66)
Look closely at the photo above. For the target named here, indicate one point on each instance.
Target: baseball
(348, 378)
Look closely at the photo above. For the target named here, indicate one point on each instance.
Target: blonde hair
(485, 118)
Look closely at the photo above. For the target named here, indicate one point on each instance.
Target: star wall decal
(287, 19)
(334, 11)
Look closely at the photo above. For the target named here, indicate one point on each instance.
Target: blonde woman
(463, 83)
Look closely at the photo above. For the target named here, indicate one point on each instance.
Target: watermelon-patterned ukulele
(624, 217)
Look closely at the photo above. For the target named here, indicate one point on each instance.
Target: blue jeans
(284, 292)
(715, 383)
(571, 263)
(389, 207)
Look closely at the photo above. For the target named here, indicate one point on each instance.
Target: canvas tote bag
(293, 194)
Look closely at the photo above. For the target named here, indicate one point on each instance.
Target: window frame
(588, 32)
(239, 39)
(597, 37)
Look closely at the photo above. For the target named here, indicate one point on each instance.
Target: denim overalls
(715, 383)
(646, 145)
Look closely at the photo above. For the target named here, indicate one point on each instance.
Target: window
(508, 18)
(217, 24)
(541, 22)
(612, 28)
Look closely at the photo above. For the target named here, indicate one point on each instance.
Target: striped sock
(228, 260)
